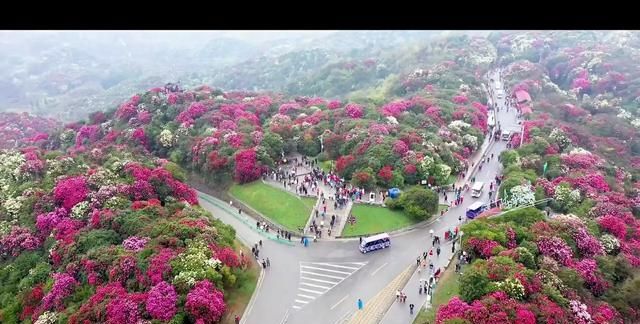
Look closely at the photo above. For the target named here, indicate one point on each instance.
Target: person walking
(268, 262)
(418, 261)
(360, 304)
(438, 252)
(260, 243)
(264, 264)
(411, 309)
(237, 319)
(398, 295)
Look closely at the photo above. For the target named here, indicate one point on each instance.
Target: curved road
(321, 283)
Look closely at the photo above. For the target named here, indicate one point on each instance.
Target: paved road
(292, 292)
(399, 312)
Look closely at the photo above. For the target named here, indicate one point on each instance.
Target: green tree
(273, 144)
(419, 203)
(474, 282)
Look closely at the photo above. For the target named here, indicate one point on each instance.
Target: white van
(476, 190)
(506, 135)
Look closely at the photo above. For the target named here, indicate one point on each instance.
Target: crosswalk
(317, 278)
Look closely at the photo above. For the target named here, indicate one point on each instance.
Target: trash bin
(394, 193)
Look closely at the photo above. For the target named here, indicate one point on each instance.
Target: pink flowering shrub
(18, 240)
(395, 108)
(613, 225)
(45, 223)
(484, 247)
(400, 148)
(286, 108)
(588, 270)
(555, 248)
(160, 267)
(205, 304)
(228, 257)
(140, 136)
(161, 302)
(246, 166)
(334, 104)
(63, 286)
(587, 244)
(455, 308)
(125, 309)
(460, 99)
(580, 160)
(70, 191)
(354, 111)
(134, 243)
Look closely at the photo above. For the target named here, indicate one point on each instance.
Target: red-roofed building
(522, 96)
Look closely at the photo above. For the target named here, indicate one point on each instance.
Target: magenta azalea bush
(161, 303)
(205, 303)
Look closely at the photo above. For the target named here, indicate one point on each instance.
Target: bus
(376, 242)
(476, 190)
(476, 209)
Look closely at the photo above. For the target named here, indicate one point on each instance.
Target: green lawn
(446, 289)
(374, 219)
(326, 165)
(281, 207)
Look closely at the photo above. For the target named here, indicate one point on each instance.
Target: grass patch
(446, 289)
(238, 298)
(281, 207)
(374, 219)
(371, 219)
(327, 166)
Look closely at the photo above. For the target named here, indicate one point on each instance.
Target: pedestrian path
(317, 278)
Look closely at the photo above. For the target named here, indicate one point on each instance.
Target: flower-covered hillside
(238, 134)
(23, 129)
(106, 236)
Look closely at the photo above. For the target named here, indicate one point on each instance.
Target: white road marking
(336, 266)
(320, 280)
(328, 270)
(340, 301)
(321, 275)
(317, 278)
(311, 291)
(380, 267)
(313, 285)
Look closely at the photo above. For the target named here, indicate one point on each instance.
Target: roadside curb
(254, 296)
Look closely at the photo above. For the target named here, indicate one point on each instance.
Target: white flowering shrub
(512, 287)
(80, 210)
(559, 137)
(13, 206)
(521, 195)
(47, 318)
(458, 125)
(166, 138)
(195, 264)
(425, 165)
(610, 243)
(470, 141)
(567, 197)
